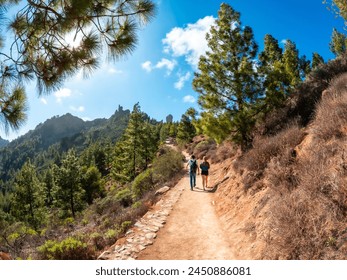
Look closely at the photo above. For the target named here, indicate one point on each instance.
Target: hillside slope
(287, 197)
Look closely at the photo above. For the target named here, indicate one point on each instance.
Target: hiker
(204, 166)
(193, 168)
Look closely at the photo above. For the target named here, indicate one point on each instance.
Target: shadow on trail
(215, 187)
(209, 190)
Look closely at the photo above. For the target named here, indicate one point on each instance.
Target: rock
(141, 247)
(129, 232)
(139, 225)
(104, 255)
(153, 228)
(151, 235)
(148, 242)
(158, 224)
(162, 190)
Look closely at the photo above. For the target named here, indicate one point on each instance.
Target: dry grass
(225, 151)
(309, 221)
(266, 148)
(272, 155)
(331, 113)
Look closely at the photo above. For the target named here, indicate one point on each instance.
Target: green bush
(167, 166)
(67, 249)
(142, 183)
(124, 196)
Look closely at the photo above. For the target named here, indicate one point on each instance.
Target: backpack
(193, 165)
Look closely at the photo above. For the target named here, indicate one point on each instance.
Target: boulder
(162, 190)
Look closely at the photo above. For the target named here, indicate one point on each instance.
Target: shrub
(167, 166)
(225, 150)
(203, 147)
(142, 183)
(281, 172)
(97, 240)
(137, 204)
(266, 148)
(67, 249)
(331, 112)
(124, 196)
(111, 235)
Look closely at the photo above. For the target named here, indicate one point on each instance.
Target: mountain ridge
(60, 133)
(3, 142)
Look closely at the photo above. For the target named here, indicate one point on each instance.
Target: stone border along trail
(144, 231)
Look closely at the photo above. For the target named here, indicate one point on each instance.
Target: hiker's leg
(194, 180)
(206, 181)
(191, 180)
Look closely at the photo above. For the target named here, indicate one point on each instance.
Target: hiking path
(183, 225)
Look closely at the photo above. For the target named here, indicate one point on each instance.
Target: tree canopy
(236, 85)
(43, 50)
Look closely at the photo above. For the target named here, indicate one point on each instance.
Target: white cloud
(284, 41)
(77, 109)
(166, 63)
(113, 70)
(163, 63)
(190, 41)
(147, 65)
(62, 93)
(44, 100)
(181, 81)
(189, 99)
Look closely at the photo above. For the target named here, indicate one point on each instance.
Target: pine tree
(49, 186)
(227, 82)
(338, 43)
(186, 130)
(291, 63)
(339, 7)
(317, 60)
(164, 132)
(133, 138)
(28, 196)
(272, 72)
(150, 143)
(280, 71)
(13, 104)
(136, 147)
(91, 183)
(69, 192)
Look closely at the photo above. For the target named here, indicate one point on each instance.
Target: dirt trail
(192, 231)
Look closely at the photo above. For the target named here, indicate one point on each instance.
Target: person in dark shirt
(204, 166)
(193, 168)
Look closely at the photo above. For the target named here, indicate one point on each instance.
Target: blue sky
(159, 73)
